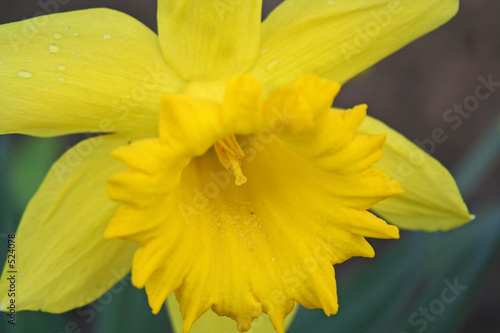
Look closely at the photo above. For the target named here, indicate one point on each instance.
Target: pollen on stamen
(236, 169)
(230, 155)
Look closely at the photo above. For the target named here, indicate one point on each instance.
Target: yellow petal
(63, 262)
(95, 70)
(221, 324)
(340, 38)
(260, 247)
(209, 39)
(431, 200)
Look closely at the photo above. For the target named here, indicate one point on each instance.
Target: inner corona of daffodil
(228, 150)
(236, 249)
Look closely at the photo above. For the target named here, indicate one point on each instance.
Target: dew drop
(272, 65)
(75, 34)
(57, 35)
(78, 55)
(331, 2)
(67, 28)
(27, 59)
(24, 74)
(106, 36)
(61, 79)
(53, 48)
(61, 67)
(264, 50)
(315, 10)
(32, 27)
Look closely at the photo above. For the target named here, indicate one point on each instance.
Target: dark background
(410, 90)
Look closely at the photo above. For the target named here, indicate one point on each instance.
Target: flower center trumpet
(310, 183)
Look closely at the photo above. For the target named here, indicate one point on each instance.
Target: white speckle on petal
(75, 34)
(27, 59)
(53, 48)
(61, 79)
(106, 36)
(331, 2)
(57, 35)
(24, 74)
(272, 65)
(61, 67)
(78, 55)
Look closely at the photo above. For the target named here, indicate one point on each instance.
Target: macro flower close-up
(215, 169)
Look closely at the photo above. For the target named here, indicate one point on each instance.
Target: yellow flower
(215, 91)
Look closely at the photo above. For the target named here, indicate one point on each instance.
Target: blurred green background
(399, 291)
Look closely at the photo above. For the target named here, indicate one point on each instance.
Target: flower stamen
(230, 155)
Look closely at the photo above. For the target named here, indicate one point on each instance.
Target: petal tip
(393, 232)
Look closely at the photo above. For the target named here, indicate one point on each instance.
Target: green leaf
(480, 160)
(28, 164)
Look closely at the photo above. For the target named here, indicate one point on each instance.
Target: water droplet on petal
(331, 2)
(67, 28)
(75, 34)
(78, 55)
(57, 35)
(27, 59)
(106, 36)
(61, 79)
(32, 27)
(272, 65)
(315, 10)
(61, 67)
(53, 48)
(264, 50)
(24, 74)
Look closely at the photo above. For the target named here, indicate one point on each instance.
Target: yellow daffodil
(224, 177)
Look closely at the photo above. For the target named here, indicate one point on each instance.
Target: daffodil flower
(224, 176)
